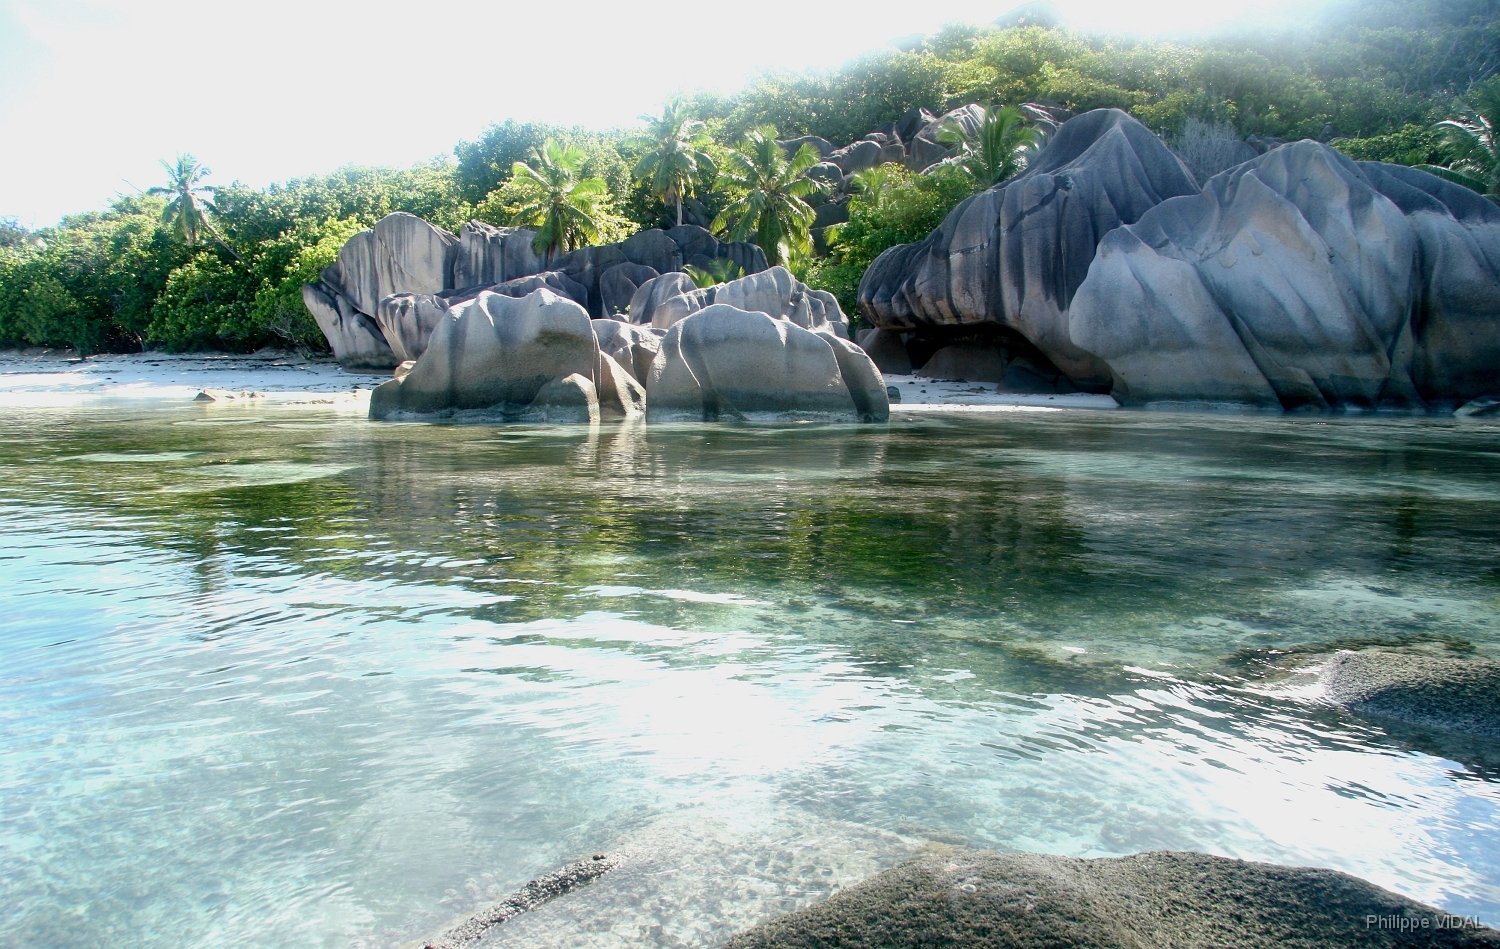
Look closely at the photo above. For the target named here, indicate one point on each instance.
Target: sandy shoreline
(51, 377)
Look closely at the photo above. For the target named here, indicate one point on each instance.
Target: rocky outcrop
(488, 255)
(887, 350)
(401, 254)
(506, 356)
(1294, 281)
(1445, 694)
(1015, 255)
(774, 292)
(356, 339)
(620, 394)
(653, 293)
(617, 287)
(633, 347)
(972, 898)
(726, 363)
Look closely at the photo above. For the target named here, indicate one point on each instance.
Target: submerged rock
(973, 898)
(509, 356)
(1458, 695)
(726, 363)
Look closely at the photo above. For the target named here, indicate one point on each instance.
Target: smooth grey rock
(975, 899)
(572, 399)
(1456, 321)
(649, 296)
(488, 255)
(693, 240)
(969, 362)
(556, 281)
(893, 394)
(407, 321)
(585, 266)
(725, 363)
(913, 122)
(1015, 255)
(791, 145)
(857, 157)
(831, 214)
(356, 339)
(1458, 695)
(401, 254)
(617, 287)
(924, 153)
(774, 292)
(863, 380)
(828, 173)
(496, 355)
(750, 258)
(633, 347)
(620, 395)
(1292, 281)
(653, 248)
(887, 350)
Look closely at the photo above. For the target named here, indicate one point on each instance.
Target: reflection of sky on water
(299, 704)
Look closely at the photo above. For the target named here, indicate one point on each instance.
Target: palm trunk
(679, 210)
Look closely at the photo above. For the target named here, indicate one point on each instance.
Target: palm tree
(771, 188)
(999, 148)
(1471, 142)
(674, 163)
(564, 209)
(719, 270)
(190, 201)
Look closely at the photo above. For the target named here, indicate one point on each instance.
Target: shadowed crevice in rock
(972, 898)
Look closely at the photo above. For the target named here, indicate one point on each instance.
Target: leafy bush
(894, 206)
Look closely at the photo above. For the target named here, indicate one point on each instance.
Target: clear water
(276, 676)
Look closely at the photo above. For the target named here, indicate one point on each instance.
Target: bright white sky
(94, 92)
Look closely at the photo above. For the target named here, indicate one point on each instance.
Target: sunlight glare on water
(279, 676)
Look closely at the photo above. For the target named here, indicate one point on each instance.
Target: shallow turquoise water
(279, 676)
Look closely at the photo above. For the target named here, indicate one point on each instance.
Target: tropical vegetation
(198, 264)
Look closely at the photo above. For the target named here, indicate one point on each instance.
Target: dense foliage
(1373, 76)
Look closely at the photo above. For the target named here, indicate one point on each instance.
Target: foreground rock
(722, 363)
(974, 898)
(1014, 255)
(1453, 695)
(1295, 281)
(532, 358)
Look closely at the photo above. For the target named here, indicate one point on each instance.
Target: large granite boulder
(618, 284)
(726, 363)
(488, 255)
(1293, 281)
(694, 241)
(1441, 693)
(633, 347)
(975, 899)
(507, 356)
(401, 254)
(1015, 255)
(407, 320)
(1456, 316)
(774, 292)
(653, 248)
(653, 293)
(356, 339)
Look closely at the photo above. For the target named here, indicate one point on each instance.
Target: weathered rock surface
(618, 284)
(1292, 281)
(650, 295)
(970, 898)
(633, 347)
(1458, 695)
(620, 394)
(969, 362)
(401, 254)
(774, 292)
(653, 248)
(499, 354)
(356, 339)
(1015, 255)
(407, 320)
(791, 145)
(726, 363)
(488, 255)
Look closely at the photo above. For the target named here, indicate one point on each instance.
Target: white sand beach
(59, 377)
